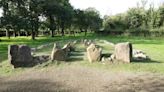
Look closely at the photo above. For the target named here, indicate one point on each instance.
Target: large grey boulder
(123, 52)
(20, 56)
(94, 53)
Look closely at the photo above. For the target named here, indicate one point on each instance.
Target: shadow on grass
(145, 61)
(75, 59)
(36, 85)
(76, 54)
(106, 55)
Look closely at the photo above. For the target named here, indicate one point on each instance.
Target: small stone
(109, 59)
(113, 57)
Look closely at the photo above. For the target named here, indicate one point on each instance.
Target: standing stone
(94, 53)
(74, 42)
(123, 52)
(20, 56)
(72, 45)
(67, 47)
(56, 46)
(85, 43)
(58, 54)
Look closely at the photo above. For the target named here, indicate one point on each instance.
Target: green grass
(154, 48)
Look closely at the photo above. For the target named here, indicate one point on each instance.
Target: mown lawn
(154, 48)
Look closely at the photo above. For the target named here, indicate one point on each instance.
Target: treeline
(58, 17)
(54, 16)
(137, 21)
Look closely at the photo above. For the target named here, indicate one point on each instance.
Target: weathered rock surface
(41, 59)
(123, 52)
(20, 56)
(106, 60)
(94, 53)
(87, 42)
(72, 45)
(139, 55)
(67, 49)
(59, 54)
(113, 57)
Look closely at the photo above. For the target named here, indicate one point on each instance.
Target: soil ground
(81, 79)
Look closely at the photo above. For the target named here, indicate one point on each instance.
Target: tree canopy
(58, 16)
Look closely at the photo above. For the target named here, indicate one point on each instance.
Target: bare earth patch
(81, 79)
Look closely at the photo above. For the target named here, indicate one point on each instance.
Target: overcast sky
(110, 7)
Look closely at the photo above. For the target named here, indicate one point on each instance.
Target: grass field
(154, 48)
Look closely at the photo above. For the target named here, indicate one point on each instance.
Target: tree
(21, 14)
(65, 15)
(79, 20)
(50, 8)
(92, 20)
(5, 20)
(134, 18)
(115, 22)
(161, 15)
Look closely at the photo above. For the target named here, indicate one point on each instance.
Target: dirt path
(81, 79)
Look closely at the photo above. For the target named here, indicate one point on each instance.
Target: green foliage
(93, 19)
(59, 14)
(137, 19)
(117, 22)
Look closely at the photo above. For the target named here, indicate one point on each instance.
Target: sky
(110, 7)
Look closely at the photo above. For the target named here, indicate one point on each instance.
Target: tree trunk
(26, 33)
(52, 25)
(52, 33)
(85, 32)
(58, 29)
(33, 35)
(15, 33)
(62, 31)
(43, 33)
(81, 30)
(19, 33)
(8, 33)
(74, 33)
(36, 28)
(37, 33)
